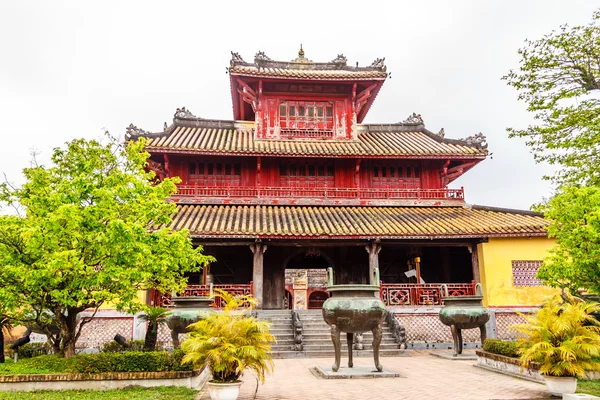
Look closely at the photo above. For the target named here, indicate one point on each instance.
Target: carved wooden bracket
(363, 97)
(450, 174)
(248, 94)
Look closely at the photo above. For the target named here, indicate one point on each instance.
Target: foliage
(82, 238)
(562, 337)
(30, 350)
(133, 393)
(559, 79)
(131, 361)
(574, 216)
(231, 342)
(5, 329)
(114, 347)
(589, 387)
(155, 316)
(501, 347)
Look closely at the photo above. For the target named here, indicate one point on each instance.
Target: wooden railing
(407, 294)
(166, 300)
(320, 192)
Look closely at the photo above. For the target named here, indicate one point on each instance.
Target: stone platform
(448, 355)
(357, 372)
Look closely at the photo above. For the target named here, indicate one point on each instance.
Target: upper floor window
(396, 177)
(306, 175)
(312, 119)
(214, 174)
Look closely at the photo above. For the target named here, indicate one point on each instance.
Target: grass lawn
(162, 393)
(35, 366)
(589, 387)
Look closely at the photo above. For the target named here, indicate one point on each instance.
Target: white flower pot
(559, 385)
(224, 391)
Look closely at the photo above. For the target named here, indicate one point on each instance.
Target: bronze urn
(464, 312)
(354, 309)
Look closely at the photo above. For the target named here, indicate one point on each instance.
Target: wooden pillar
(373, 248)
(475, 262)
(258, 249)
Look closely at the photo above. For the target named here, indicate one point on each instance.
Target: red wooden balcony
(429, 294)
(320, 193)
(204, 291)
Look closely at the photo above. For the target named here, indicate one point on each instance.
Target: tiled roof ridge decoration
(262, 61)
(478, 140)
(183, 113)
(132, 132)
(504, 210)
(367, 222)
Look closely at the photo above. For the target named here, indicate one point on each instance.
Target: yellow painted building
(507, 269)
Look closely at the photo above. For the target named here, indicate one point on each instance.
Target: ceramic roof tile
(385, 143)
(206, 221)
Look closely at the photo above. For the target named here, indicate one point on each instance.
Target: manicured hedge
(29, 350)
(133, 361)
(114, 347)
(502, 347)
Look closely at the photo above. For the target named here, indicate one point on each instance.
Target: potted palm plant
(228, 343)
(563, 337)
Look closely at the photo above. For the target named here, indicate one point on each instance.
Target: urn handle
(444, 290)
(478, 289)
(375, 277)
(329, 276)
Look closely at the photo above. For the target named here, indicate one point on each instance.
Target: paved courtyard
(423, 376)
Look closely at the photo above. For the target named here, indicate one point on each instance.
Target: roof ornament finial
(183, 113)
(133, 132)
(301, 52)
(478, 140)
(414, 119)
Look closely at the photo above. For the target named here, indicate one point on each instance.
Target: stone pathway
(423, 376)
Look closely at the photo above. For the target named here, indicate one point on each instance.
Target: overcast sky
(72, 68)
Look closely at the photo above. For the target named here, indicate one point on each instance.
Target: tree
(155, 317)
(5, 329)
(559, 79)
(91, 230)
(574, 216)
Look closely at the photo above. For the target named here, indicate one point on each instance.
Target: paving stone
(450, 355)
(423, 376)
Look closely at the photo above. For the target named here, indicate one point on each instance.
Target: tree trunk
(1, 345)
(151, 337)
(67, 325)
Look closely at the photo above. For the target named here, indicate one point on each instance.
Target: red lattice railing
(429, 294)
(165, 300)
(320, 192)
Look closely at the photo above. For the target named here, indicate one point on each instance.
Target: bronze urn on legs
(354, 309)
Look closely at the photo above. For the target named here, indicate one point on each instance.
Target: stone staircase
(317, 337)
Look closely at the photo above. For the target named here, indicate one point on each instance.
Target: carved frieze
(183, 113)
(340, 59)
(414, 118)
(379, 63)
(133, 131)
(478, 140)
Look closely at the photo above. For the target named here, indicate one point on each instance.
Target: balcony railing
(320, 192)
(166, 300)
(407, 294)
(392, 294)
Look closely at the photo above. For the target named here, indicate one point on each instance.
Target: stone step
(355, 353)
(368, 346)
(326, 335)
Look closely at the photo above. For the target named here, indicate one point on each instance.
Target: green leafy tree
(82, 238)
(559, 79)
(155, 317)
(574, 216)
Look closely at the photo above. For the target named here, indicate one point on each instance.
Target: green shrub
(131, 361)
(114, 347)
(501, 347)
(30, 350)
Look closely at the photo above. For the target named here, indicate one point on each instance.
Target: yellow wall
(141, 295)
(495, 268)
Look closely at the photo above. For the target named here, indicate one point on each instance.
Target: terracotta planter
(224, 391)
(559, 385)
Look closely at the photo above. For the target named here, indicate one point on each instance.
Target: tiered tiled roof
(355, 222)
(304, 69)
(402, 140)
